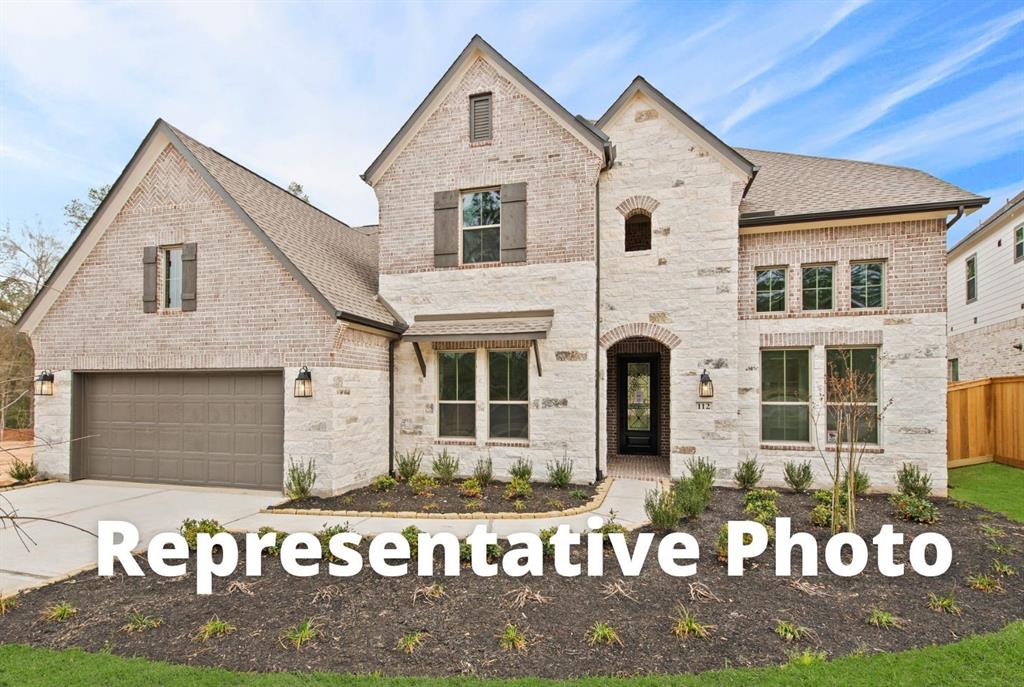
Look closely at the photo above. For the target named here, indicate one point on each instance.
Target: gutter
(391, 407)
(750, 181)
(598, 475)
(956, 218)
(367, 322)
(973, 203)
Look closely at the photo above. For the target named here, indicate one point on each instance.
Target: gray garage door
(211, 429)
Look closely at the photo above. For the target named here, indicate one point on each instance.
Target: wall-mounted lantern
(44, 383)
(706, 388)
(304, 383)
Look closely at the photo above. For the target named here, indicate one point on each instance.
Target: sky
(311, 92)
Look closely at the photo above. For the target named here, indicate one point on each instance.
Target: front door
(638, 404)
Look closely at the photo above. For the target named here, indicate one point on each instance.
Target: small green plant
(821, 516)
(702, 473)
(807, 657)
(519, 488)
(610, 527)
(685, 624)
(789, 631)
(411, 642)
(8, 604)
(992, 532)
(324, 537)
(473, 505)
(560, 472)
(913, 481)
(984, 583)
(483, 472)
(883, 619)
(1003, 569)
(798, 475)
(409, 464)
(861, 482)
(512, 638)
(522, 469)
(60, 612)
(553, 504)
(303, 633)
(914, 508)
(722, 543)
(470, 488)
(214, 627)
(578, 495)
(385, 504)
(422, 485)
(22, 470)
(445, 467)
(411, 534)
(107, 649)
(301, 478)
(139, 622)
(545, 540)
(519, 505)
(190, 530)
(761, 504)
(601, 633)
(384, 483)
(278, 538)
(494, 551)
(748, 473)
(663, 510)
(692, 496)
(1001, 549)
(431, 592)
(943, 604)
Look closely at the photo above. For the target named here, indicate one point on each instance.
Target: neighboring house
(631, 293)
(985, 275)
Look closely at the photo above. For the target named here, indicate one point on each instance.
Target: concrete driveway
(152, 508)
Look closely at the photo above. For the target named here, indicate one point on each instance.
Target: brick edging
(40, 483)
(601, 492)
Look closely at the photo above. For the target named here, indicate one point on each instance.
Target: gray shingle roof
(793, 185)
(492, 326)
(339, 261)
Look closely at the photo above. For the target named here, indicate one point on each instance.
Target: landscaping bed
(358, 622)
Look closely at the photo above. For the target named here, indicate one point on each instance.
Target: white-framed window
(857, 371)
(786, 395)
(971, 274)
(481, 226)
(508, 389)
(771, 289)
(172, 277)
(867, 285)
(1018, 244)
(456, 394)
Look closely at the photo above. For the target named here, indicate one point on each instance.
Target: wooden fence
(986, 422)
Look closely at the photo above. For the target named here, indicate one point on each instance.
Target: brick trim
(631, 205)
(643, 329)
(857, 338)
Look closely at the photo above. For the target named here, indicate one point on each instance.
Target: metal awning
(508, 326)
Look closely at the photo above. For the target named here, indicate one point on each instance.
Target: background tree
(79, 212)
(295, 188)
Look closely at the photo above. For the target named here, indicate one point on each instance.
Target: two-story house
(630, 293)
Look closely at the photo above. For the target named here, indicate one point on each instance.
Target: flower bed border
(26, 485)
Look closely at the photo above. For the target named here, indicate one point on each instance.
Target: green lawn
(993, 659)
(997, 487)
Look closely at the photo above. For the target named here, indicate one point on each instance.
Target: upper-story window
(172, 277)
(638, 232)
(971, 269)
(866, 285)
(817, 287)
(480, 121)
(771, 289)
(1018, 244)
(481, 226)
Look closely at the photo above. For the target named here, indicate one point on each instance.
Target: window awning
(505, 326)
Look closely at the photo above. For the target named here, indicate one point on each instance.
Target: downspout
(599, 475)
(391, 407)
(956, 217)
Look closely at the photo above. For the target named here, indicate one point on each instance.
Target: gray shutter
(149, 279)
(188, 277)
(513, 223)
(446, 229)
(480, 117)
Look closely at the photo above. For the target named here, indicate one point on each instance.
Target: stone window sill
(831, 448)
(442, 441)
(507, 443)
(787, 447)
(638, 253)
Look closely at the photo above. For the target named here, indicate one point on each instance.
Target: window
(971, 269)
(851, 390)
(866, 285)
(638, 232)
(785, 395)
(1018, 244)
(509, 392)
(481, 226)
(172, 277)
(771, 290)
(817, 287)
(954, 370)
(480, 117)
(456, 394)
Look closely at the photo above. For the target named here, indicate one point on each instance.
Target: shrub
(483, 472)
(517, 489)
(422, 485)
(790, 632)
(578, 495)
(214, 627)
(821, 515)
(662, 510)
(761, 504)
(883, 619)
(822, 497)
(914, 508)
(691, 496)
(411, 534)
(384, 483)
(545, 540)
(601, 633)
(494, 551)
(445, 467)
(60, 612)
(798, 475)
(191, 528)
(943, 604)
(522, 469)
(278, 538)
(560, 473)
(748, 473)
(722, 541)
(512, 638)
(411, 642)
(470, 488)
(324, 537)
(861, 482)
(702, 472)
(408, 464)
(7, 604)
(685, 624)
(301, 478)
(913, 482)
(22, 470)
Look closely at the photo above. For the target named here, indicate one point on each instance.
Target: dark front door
(638, 404)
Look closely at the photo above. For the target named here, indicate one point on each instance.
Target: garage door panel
(221, 429)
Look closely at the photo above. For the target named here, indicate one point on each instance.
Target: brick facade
(635, 346)
(989, 351)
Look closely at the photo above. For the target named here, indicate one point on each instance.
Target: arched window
(638, 232)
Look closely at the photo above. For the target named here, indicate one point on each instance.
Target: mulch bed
(446, 499)
(363, 617)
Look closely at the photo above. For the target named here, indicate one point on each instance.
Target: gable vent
(480, 117)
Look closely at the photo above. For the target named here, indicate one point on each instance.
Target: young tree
(27, 257)
(79, 212)
(295, 188)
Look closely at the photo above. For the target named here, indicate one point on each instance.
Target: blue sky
(311, 92)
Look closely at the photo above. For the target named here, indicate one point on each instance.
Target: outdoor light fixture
(304, 383)
(44, 383)
(706, 388)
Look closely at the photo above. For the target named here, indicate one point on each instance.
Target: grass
(992, 659)
(993, 486)
(303, 633)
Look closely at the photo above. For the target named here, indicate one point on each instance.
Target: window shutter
(480, 117)
(513, 223)
(149, 279)
(446, 229)
(188, 277)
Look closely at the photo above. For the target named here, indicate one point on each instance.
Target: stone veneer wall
(989, 351)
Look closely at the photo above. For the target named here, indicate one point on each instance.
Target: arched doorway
(638, 402)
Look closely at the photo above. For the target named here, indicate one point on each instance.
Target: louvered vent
(480, 117)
